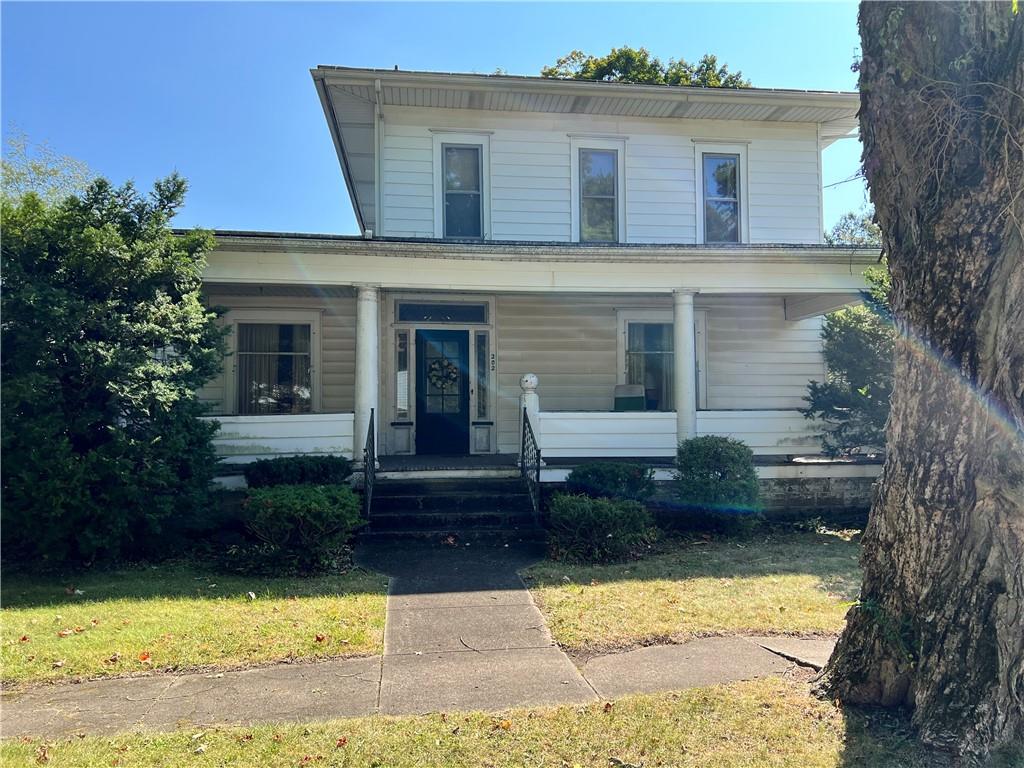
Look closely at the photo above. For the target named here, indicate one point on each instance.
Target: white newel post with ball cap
(367, 356)
(530, 401)
(685, 364)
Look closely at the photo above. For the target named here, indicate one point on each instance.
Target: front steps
(452, 510)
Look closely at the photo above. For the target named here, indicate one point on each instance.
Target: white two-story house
(653, 255)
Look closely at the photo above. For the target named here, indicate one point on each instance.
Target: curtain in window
(649, 362)
(274, 364)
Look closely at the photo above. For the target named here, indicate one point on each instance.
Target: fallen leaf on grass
(113, 658)
(65, 633)
(42, 754)
(341, 742)
(321, 638)
(58, 664)
(23, 639)
(144, 656)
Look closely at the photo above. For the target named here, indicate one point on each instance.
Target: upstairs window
(721, 174)
(599, 190)
(463, 191)
(274, 368)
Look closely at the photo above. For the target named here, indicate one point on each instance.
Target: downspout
(821, 187)
(378, 141)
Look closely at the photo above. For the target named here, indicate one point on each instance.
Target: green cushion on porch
(629, 397)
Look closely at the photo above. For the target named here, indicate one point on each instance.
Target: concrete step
(448, 486)
(442, 521)
(484, 536)
(451, 503)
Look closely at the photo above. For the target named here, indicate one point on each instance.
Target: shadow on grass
(176, 581)
(827, 556)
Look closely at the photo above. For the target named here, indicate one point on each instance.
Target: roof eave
(339, 145)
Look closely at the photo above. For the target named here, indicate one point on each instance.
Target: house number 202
(494, 363)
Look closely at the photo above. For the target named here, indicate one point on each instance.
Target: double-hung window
(275, 362)
(597, 167)
(647, 355)
(599, 192)
(722, 196)
(649, 362)
(463, 191)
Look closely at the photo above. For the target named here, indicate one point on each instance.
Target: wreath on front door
(442, 373)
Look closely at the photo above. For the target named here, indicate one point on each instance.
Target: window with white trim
(721, 192)
(461, 184)
(597, 166)
(721, 173)
(275, 364)
(599, 189)
(463, 191)
(647, 356)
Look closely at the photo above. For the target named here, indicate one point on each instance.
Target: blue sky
(221, 92)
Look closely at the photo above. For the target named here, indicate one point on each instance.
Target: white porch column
(685, 362)
(367, 357)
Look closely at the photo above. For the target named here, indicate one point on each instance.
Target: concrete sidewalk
(462, 633)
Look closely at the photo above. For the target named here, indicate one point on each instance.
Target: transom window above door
(437, 312)
(463, 191)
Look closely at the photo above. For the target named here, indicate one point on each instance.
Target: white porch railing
(648, 434)
(242, 439)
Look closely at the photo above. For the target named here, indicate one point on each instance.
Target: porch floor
(432, 463)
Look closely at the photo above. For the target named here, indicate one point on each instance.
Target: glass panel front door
(442, 392)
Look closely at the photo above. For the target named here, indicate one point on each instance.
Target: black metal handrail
(369, 466)
(529, 463)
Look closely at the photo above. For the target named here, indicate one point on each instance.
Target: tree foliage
(637, 65)
(857, 228)
(853, 401)
(105, 341)
(38, 168)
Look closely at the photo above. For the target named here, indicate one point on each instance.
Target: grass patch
(179, 617)
(777, 584)
(769, 722)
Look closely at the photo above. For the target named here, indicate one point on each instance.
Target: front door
(442, 392)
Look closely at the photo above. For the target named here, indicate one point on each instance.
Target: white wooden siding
(756, 359)
(337, 356)
(242, 439)
(530, 182)
(593, 435)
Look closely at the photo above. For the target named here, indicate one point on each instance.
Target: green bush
(304, 528)
(612, 480)
(105, 341)
(298, 470)
(716, 474)
(596, 530)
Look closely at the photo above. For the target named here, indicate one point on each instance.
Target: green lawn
(790, 583)
(770, 722)
(178, 617)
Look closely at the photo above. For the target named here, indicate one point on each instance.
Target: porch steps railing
(529, 464)
(369, 466)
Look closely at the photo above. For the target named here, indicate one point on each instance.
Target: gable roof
(350, 96)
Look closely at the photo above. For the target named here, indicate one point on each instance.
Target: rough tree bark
(940, 624)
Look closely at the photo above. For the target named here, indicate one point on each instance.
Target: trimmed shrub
(715, 486)
(717, 474)
(612, 480)
(301, 528)
(597, 530)
(297, 470)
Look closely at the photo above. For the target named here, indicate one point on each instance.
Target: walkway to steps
(462, 633)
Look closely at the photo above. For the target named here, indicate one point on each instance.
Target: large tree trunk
(940, 624)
